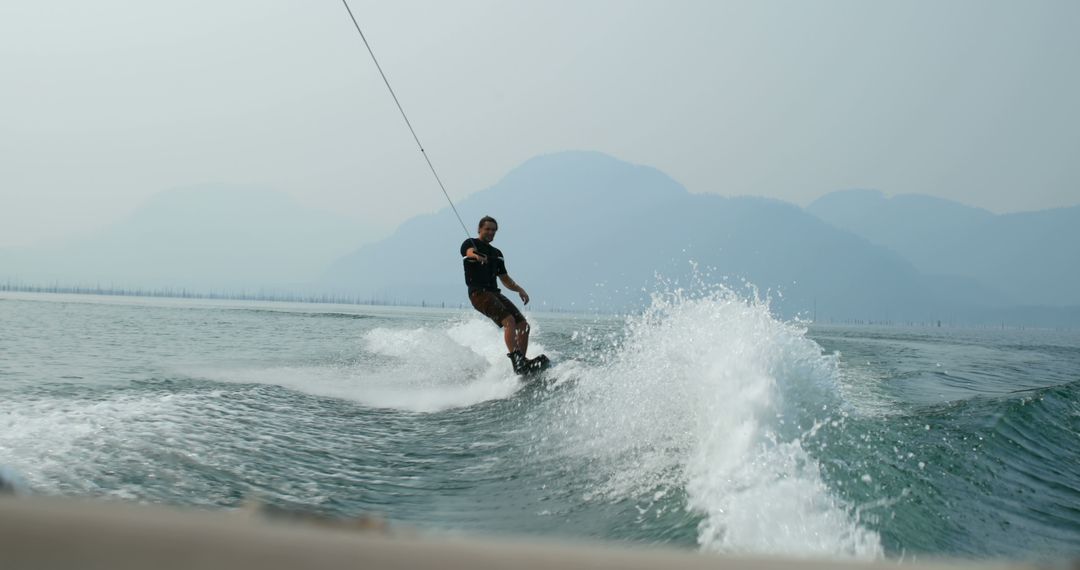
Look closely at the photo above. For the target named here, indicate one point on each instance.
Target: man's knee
(510, 322)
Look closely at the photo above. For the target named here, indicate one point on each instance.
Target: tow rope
(407, 122)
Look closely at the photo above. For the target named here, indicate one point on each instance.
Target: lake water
(703, 423)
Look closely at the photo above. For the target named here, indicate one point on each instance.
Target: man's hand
(509, 284)
(476, 255)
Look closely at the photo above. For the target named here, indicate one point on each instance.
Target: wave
(709, 396)
(983, 476)
(54, 442)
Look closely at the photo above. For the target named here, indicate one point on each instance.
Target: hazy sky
(105, 103)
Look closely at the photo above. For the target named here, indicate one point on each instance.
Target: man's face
(487, 231)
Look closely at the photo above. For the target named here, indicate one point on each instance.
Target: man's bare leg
(516, 335)
(509, 332)
(523, 337)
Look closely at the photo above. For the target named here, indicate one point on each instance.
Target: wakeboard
(535, 366)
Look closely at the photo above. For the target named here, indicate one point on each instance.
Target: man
(483, 263)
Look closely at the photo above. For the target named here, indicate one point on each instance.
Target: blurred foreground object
(46, 533)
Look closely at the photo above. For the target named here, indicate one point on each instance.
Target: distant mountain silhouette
(585, 231)
(1033, 257)
(208, 238)
(582, 230)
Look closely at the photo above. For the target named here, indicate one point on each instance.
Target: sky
(104, 104)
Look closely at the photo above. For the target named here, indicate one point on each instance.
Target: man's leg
(515, 327)
(522, 334)
(513, 333)
(510, 328)
(516, 335)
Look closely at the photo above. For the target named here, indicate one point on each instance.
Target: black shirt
(481, 276)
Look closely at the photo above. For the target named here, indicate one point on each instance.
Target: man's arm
(472, 254)
(509, 284)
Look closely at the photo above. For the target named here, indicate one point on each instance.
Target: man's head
(487, 228)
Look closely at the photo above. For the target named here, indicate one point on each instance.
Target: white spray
(692, 400)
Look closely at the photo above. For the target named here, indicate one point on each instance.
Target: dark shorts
(495, 306)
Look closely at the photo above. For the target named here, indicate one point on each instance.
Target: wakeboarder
(483, 263)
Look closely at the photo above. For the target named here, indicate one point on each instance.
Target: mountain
(583, 230)
(205, 238)
(1032, 257)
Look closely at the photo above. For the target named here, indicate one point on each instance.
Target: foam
(53, 443)
(693, 399)
(426, 369)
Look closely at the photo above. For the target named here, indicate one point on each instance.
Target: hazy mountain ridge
(209, 237)
(1033, 257)
(584, 230)
(421, 258)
